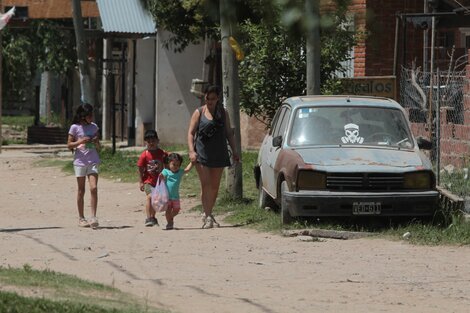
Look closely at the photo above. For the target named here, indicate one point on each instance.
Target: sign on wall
(380, 86)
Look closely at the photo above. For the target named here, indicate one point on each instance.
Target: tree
(271, 32)
(264, 86)
(191, 20)
(44, 46)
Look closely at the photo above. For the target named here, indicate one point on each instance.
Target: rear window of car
(350, 126)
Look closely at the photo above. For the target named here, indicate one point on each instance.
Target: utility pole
(87, 94)
(230, 95)
(312, 13)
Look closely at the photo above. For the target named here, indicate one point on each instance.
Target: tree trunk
(87, 94)
(231, 96)
(312, 8)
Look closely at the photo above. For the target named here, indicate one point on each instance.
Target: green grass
(20, 123)
(62, 293)
(458, 182)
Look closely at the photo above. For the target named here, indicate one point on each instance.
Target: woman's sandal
(94, 222)
(209, 221)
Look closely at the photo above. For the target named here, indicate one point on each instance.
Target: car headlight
(418, 180)
(311, 180)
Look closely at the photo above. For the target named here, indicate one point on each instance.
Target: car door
(268, 172)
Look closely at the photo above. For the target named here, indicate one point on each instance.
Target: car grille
(364, 181)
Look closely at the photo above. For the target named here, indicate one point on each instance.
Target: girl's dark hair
(174, 157)
(83, 111)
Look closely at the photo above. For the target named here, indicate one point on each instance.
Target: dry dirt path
(227, 269)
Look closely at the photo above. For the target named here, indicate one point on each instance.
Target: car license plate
(367, 208)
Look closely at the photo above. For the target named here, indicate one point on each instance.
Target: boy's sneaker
(151, 221)
(169, 226)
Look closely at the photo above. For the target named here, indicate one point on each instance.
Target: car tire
(264, 200)
(286, 218)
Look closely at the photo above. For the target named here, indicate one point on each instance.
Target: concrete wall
(174, 102)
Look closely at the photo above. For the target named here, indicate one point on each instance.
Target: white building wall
(174, 102)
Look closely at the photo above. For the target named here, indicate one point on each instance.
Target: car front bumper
(331, 203)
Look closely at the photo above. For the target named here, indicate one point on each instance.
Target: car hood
(370, 157)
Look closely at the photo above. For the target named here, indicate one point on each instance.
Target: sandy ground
(227, 269)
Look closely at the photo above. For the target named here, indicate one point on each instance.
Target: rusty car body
(344, 156)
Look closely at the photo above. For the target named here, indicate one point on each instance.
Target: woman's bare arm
(191, 133)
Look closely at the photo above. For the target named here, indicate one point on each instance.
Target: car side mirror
(424, 143)
(277, 141)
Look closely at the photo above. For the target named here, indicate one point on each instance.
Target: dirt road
(227, 269)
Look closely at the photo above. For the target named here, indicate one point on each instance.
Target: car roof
(362, 101)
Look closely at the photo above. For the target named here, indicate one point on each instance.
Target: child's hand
(188, 167)
(84, 140)
(141, 186)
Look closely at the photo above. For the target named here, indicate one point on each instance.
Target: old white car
(344, 156)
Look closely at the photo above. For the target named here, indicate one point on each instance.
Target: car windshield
(350, 126)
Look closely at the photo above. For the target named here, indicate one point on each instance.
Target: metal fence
(423, 94)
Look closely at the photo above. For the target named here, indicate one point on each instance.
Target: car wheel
(286, 218)
(264, 200)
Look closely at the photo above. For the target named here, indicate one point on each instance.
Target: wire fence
(423, 94)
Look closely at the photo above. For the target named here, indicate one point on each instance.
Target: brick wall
(252, 132)
(377, 20)
(53, 8)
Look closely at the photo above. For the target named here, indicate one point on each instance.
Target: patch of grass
(19, 123)
(62, 293)
(457, 182)
(457, 232)
(6, 142)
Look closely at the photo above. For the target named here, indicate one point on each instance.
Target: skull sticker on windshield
(352, 134)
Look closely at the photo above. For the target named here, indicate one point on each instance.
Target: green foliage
(186, 20)
(271, 35)
(191, 20)
(275, 63)
(45, 45)
(20, 123)
(274, 68)
(457, 182)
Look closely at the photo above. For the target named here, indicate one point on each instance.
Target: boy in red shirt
(150, 163)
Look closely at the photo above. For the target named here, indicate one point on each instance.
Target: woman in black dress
(208, 134)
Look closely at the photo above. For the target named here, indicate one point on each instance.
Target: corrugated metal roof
(125, 16)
